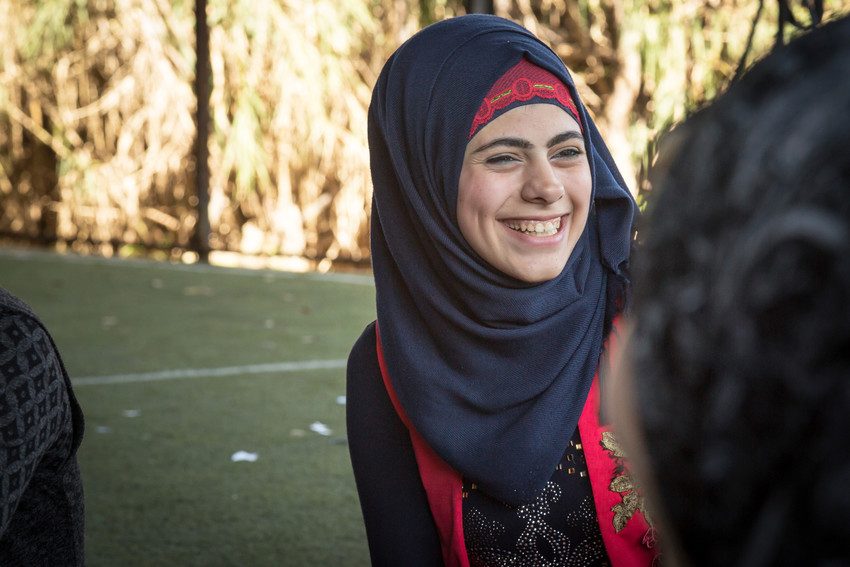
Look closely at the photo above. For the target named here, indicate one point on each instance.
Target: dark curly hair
(741, 344)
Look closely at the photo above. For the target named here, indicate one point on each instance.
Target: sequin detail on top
(559, 528)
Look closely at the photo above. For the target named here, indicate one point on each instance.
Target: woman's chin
(536, 272)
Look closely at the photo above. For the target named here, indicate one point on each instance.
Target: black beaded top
(559, 528)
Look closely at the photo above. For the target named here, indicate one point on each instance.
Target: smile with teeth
(538, 228)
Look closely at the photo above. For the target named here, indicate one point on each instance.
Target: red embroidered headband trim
(521, 83)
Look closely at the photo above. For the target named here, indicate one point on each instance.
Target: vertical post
(202, 120)
(479, 6)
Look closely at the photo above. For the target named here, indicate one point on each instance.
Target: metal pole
(479, 6)
(202, 118)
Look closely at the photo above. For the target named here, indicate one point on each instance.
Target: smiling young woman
(501, 233)
(524, 191)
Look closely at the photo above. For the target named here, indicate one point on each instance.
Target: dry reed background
(96, 109)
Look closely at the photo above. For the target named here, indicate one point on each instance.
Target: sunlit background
(97, 110)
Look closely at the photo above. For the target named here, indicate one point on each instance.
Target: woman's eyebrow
(525, 144)
(511, 142)
(563, 137)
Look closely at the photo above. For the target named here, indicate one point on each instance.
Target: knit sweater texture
(41, 427)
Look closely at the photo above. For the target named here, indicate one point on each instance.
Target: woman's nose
(541, 185)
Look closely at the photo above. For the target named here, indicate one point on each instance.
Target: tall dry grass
(96, 108)
(99, 102)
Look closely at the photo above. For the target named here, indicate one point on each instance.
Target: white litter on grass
(297, 433)
(132, 413)
(243, 456)
(103, 429)
(198, 290)
(340, 400)
(320, 428)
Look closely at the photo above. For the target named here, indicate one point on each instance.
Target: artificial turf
(160, 485)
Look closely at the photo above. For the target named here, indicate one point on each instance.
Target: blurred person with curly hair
(734, 392)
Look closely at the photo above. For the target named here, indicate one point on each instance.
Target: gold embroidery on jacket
(623, 483)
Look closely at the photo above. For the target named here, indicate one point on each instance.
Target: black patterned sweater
(41, 427)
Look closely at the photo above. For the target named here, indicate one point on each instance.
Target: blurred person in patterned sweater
(41, 427)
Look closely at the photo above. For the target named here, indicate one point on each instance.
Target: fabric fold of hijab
(491, 371)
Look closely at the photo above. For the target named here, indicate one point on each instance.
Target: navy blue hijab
(492, 371)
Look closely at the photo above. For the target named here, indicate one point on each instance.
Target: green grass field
(161, 488)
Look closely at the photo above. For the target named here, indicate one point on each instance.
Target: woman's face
(524, 191)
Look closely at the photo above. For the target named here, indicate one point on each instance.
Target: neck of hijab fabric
(491, 371)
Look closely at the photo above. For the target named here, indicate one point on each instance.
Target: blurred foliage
(97, 109)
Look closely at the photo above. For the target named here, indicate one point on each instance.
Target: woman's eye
(567, 153)
(501, 159)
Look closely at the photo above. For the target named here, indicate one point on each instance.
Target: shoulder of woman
(364, 353)
(12, 305)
